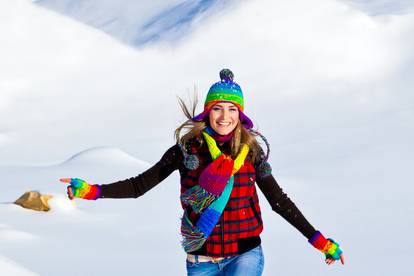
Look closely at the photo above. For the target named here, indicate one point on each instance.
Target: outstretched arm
(139, 185)
(281, 204)
(128, 188)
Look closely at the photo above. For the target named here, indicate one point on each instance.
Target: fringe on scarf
(193, 238)
(198, 198)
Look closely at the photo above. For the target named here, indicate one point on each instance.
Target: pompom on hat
(225, 91)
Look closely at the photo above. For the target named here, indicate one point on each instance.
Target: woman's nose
(225, 114)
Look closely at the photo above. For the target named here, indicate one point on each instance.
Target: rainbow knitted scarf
(210, 196)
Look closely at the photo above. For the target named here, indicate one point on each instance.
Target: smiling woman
(220, 161)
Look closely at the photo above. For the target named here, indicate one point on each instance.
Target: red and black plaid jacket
(240, 225)
(241, 217)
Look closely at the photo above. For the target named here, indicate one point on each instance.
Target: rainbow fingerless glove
(327, 246)
(84, 190)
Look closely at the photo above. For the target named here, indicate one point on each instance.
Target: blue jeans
(249, 263)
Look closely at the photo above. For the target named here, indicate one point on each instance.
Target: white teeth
(223, 124)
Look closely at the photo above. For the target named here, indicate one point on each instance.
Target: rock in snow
(34, 200)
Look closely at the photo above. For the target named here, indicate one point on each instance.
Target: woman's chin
(223, 131)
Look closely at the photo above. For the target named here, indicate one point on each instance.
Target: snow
(9, 267)
(137, 22)
(329, 86)
(380, 7)
(103, 155)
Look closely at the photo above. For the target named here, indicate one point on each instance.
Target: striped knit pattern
(82, 189)
(195, 236)
(241, 217)
(327, 246)
(215, 177)
(226, 90)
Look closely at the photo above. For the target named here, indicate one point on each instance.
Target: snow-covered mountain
(383, 7)
(138, 22)
(98, 165)
(103, 155)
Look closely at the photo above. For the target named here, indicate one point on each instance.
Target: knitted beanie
(225, 91)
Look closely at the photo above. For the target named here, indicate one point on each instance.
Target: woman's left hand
(327, 246)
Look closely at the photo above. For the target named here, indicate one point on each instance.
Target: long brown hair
(193, 130)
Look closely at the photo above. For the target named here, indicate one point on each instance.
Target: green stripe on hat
(225, 97)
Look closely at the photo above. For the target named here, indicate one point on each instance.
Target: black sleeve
(139, 185)
(281, 204)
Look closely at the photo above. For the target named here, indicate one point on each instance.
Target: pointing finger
(74, 182)
(342, 258)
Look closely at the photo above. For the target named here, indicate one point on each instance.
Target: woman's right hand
(81, 189)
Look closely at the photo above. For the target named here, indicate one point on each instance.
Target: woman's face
(224, 118)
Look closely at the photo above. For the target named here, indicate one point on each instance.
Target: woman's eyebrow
(219, 105)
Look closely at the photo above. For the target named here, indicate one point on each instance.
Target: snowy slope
(381, 7)
(328, 85)
(103, 155)
(98, 165)
(137, 22)
(108, 232)
(9, 267)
